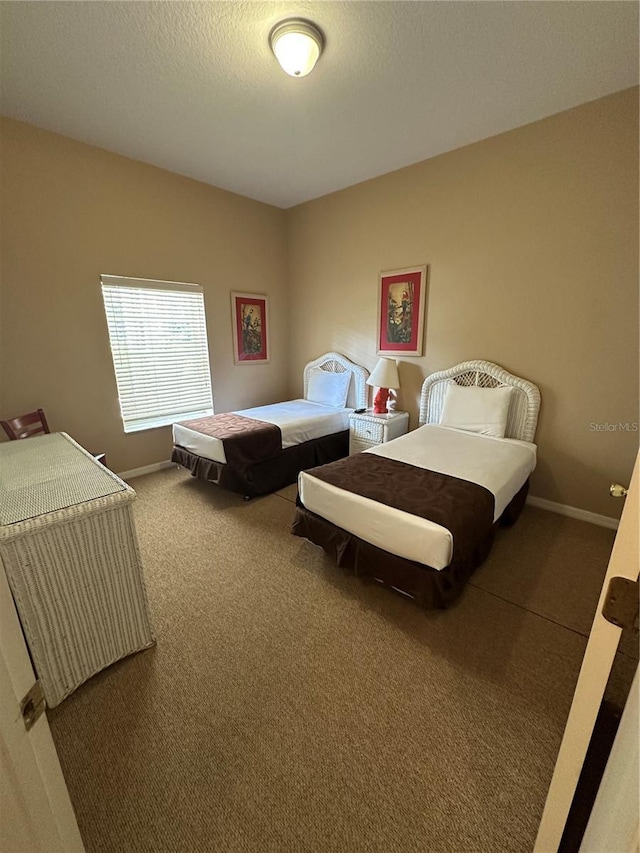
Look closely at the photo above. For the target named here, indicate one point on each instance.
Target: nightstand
(368, 430)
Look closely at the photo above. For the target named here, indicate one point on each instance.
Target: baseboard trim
(574, 512)
(146, 469)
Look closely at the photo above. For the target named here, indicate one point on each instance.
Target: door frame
(598, 659)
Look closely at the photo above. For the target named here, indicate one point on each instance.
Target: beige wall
(531, 238)
(71, 212)
(532, 242)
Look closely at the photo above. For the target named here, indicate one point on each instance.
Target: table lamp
(384, 377)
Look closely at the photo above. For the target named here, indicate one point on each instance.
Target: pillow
(482, 410)
(330, 389)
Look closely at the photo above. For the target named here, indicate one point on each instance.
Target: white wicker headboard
(336, 363)
(525, 397)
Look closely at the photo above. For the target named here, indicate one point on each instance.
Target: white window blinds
(158, 340)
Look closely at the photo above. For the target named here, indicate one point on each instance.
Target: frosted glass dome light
(297, 46)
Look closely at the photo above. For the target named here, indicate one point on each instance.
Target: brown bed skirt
(266, 476)
(431, 588)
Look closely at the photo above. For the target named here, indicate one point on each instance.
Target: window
(159, 346)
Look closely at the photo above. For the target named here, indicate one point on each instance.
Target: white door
(614, 822)
(35, 810)
(594, 674)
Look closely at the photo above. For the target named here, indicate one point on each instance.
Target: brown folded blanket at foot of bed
(431, 588)
(269, 474)
(465, 509)
(245, 440)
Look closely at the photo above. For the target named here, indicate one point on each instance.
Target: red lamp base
(380, 401)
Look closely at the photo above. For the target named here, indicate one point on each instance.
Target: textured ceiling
(193, 87)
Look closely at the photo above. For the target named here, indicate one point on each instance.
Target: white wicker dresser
(69, 548)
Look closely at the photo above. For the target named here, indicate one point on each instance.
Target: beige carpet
(289, 707)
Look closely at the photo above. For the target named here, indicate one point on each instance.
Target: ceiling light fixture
(297, 45)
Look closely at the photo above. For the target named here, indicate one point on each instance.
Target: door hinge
(32, 705)
(621, 603)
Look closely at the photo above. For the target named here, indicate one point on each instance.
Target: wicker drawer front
(368, 430)
(357, 445)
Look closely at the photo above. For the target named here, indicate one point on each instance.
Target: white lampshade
(297, 46)
(385, 374)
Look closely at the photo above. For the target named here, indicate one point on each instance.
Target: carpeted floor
(289, 707)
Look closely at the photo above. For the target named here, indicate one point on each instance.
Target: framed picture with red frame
(249, 312)
(401, 303)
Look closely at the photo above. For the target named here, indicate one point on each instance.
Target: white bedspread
(299, 421)
(501, 465)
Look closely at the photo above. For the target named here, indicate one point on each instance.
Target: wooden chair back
(26, 426)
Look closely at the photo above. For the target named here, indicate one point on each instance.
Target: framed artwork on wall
(250, 328)
(401, 302)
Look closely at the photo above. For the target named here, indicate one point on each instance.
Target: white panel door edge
(614, 820)
(35, 810)
(592, 681)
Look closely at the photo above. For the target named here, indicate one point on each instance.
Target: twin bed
(257, 451)
(419, 513)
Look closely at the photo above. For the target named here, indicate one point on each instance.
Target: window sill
(157, 423)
